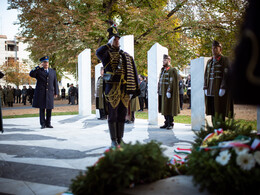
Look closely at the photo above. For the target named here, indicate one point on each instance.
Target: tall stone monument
(197, 93)
(84, 77)
(127, 44)
(155, 62)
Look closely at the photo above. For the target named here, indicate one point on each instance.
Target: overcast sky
(7, 18)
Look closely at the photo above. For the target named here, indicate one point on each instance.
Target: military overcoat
(222, 105)
(100, 101)
(170, 83)
(46, 88)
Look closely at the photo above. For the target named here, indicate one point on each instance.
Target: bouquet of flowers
(226, 161)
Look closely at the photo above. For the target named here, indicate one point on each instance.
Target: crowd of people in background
(11, 95)
(72, 95)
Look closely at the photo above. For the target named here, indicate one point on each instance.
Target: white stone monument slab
(84, 77)
(258, 119)
(97, 75)
(155, 62)
(127, 44)
(197, 93)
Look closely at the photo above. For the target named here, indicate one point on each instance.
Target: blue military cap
(45, 58)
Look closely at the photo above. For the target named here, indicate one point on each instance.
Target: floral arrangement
(226, 160)
(123, 167)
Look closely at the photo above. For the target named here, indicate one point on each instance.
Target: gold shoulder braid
(117, 92)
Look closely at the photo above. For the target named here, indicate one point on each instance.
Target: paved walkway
(36, 161)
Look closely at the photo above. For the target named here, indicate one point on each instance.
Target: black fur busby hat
(165, 56)
(216, 44)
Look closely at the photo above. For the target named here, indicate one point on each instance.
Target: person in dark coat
(18, 94)
(46, 89)
(24, 95)
(77, 94)
(30, 93)
(188, 86)
(142, 95)
(244, 75)
(72, 94)
(63, 91)
(181, 92)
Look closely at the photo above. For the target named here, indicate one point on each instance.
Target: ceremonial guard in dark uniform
(168, 91)
(120, 82)
(218, 99)
(100, 100)
(46, 89)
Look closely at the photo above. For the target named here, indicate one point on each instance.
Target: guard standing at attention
(46, 89)
(120, 83)
(100, 100)
(218, 98)
(168, 91)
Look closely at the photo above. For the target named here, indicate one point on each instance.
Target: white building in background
(66, 81)
(11, 50)
(14, 50)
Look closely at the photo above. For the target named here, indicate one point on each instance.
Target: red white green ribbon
(182, 151)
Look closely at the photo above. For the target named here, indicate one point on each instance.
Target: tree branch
(171, 13)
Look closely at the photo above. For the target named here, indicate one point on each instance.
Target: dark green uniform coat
(134, 104)
(100, 94)
(169, 82)
(222, 105)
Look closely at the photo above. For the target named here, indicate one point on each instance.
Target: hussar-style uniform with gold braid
(120, 81)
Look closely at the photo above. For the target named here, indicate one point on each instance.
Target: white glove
(168, 95)
(206, 92)
(131, 95)
(221, 92)
(111, 40)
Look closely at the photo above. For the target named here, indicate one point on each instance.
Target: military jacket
(123, 81)
(100, 94)
(169, 83)
(46, 88)
(215, 78)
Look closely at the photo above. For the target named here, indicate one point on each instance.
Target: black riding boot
(113, 133)
(120, 132)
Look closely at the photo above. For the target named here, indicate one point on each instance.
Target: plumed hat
(112, 31)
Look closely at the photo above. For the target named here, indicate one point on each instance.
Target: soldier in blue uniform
(46, 89)
(120, 83)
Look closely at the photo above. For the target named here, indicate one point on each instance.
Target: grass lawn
(141, 115)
